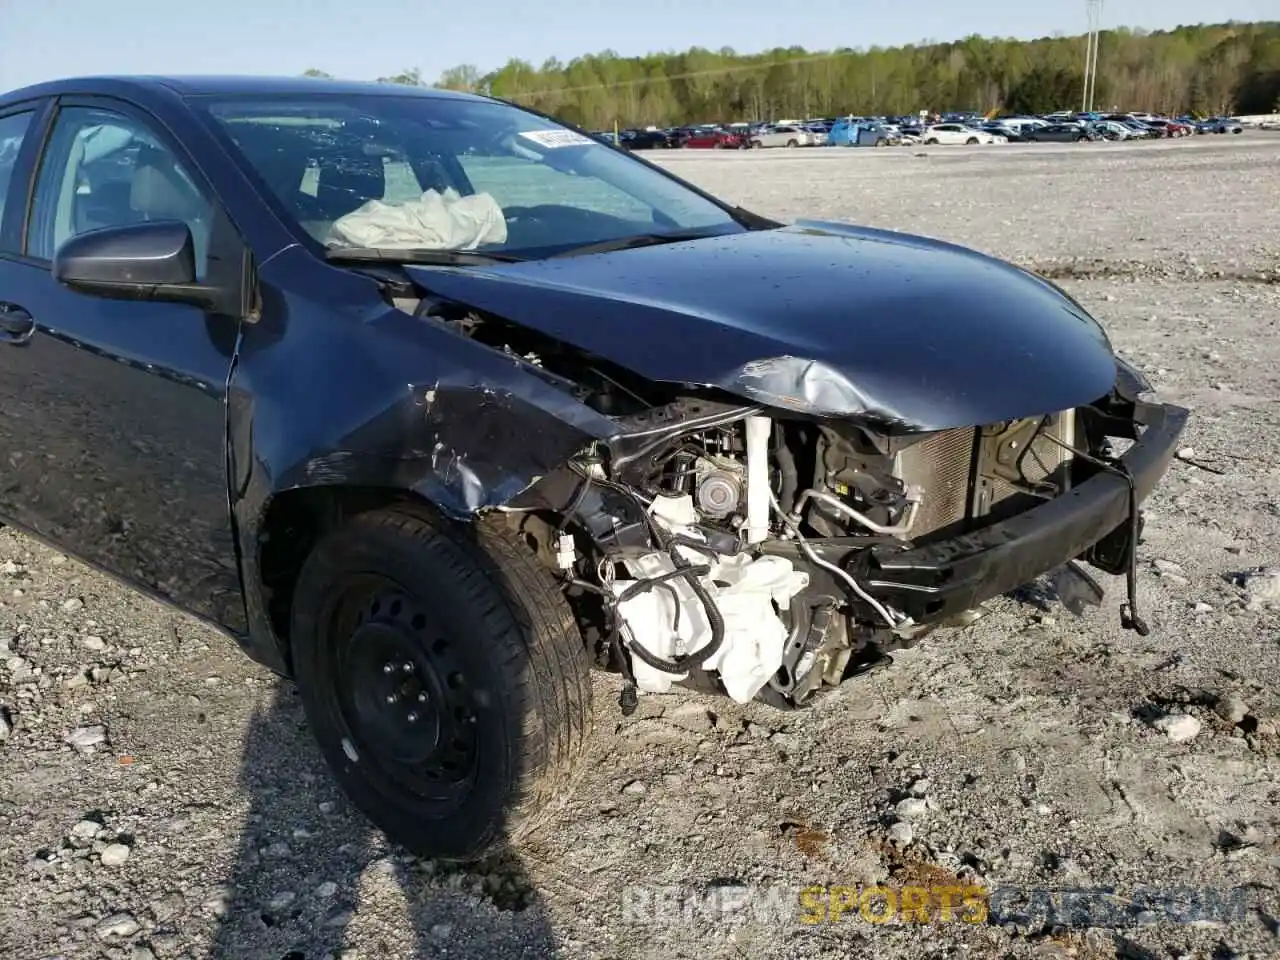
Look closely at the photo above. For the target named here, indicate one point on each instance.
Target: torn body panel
(359, 394)
(780, 460)
(393, 398)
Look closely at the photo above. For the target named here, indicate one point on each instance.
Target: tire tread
(532, 637)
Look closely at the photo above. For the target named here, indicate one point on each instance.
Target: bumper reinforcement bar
(933, 581)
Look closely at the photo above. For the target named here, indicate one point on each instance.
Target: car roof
(229, 85)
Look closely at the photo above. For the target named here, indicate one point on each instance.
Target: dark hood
(819, 318)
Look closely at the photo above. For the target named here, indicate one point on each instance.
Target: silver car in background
(1223, 125)
(783, 135)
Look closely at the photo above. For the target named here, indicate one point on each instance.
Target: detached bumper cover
(934, 581)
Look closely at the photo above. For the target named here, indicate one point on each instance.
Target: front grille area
(975, 476)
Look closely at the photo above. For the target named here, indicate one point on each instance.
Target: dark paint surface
(904, 329)
(154, 440)
(113, 439)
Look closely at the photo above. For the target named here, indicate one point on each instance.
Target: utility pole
(1093, 12)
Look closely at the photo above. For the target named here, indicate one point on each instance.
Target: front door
(113, 444)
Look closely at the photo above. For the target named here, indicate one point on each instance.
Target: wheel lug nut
(413, 717)
(387, 668)
(407, 668)
(422, 698)
(391, 698)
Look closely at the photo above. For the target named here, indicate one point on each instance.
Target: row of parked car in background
(964, 128)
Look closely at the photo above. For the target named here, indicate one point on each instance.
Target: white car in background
(819, 132)
(783, 135)
(959, 133)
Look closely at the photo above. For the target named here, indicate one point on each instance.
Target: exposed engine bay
(718, 576)
(723, 545)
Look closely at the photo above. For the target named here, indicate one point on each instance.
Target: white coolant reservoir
(757, 527)
(672, 621)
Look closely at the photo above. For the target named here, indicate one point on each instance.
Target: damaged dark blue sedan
(434, 404)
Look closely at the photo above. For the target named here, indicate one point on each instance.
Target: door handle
(16, 325)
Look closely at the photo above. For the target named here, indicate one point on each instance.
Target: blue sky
(44, 39)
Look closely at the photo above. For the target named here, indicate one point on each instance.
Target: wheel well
(294, 522)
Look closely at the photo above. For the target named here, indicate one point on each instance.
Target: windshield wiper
(440, 258)
(635, 240)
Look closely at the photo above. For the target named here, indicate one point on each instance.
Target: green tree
(1044, 90)
(465, 77)
(1213, 68)
(410, 78)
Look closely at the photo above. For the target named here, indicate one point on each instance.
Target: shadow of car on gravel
(309, 865)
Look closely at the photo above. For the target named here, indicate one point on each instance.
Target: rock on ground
(1179, 727)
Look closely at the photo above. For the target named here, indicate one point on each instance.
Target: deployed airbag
(435, 221)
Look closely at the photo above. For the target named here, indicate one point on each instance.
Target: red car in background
(715, 138)
(1169, 128)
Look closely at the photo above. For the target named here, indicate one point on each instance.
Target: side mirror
(140, 261)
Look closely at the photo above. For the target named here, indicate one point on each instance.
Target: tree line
(1206, 70)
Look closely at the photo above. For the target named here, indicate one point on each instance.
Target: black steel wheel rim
(403, 694)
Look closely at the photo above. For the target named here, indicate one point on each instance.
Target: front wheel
(971, 141)
(932, 141)
(443, 675)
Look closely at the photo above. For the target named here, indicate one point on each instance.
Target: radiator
(941, 466)
(974, 476)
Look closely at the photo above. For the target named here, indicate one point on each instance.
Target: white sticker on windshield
(556, 138)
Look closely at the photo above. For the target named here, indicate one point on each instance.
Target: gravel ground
(161, 797)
